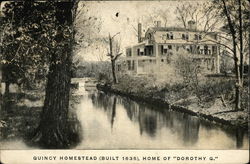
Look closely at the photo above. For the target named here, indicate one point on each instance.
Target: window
(201, 51)
(133, 65)
(170, 47)
(183, 37)
(170, 35)
(205, 49)
(162, 60)
(140, 51)
(214, 49)
(187, 36)
(198, 49)
(164, 49)
(129, 65)
(150, 60)
(161, 47)
(129, 52)
(191, 48)
(195, 37)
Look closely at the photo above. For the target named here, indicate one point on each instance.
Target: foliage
(99, 70)
(235, 14)
(29, 36)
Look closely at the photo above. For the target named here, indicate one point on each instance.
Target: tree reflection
(152, 120)
(138, 112)
(132, 109)
(239, 138)
(191, 129)
(101, 101)
(75, 127)
(113, 113)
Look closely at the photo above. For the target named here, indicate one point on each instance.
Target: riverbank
(20, 114)
(212, 103)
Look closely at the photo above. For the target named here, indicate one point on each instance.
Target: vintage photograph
(124, 75)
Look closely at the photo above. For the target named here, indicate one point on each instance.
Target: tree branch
(116, 57)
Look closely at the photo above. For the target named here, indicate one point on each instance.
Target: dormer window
(185, 37)
(170, 35)
(197, 37)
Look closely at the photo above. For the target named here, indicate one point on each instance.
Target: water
(114, 122)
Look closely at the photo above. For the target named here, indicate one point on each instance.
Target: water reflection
(113, 112)
(191, 129)
(161, 128)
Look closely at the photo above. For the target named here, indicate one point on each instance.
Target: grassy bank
(211, 98)
(20, 114)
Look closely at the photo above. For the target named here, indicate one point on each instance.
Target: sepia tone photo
(124, 75)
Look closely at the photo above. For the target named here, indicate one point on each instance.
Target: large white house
(153, 52)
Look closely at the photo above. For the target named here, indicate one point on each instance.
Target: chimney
(139, 32)
(158, 24)
(191, 25)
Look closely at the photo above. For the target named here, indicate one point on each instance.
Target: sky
(129, 14)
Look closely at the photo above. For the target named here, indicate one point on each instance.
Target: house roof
(175, 29)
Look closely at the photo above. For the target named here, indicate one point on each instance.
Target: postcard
(124, 81)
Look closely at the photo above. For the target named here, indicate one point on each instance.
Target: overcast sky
(130, 13)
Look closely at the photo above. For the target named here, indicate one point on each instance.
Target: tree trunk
(241, 43)
(7, 87)
(113, 71)
(54, 129)
(237, 72)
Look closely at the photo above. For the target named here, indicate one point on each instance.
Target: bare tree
(114, 53)
(150, 20)
(202, 14)
(235, 14)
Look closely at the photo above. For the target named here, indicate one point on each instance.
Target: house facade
(154, 51)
